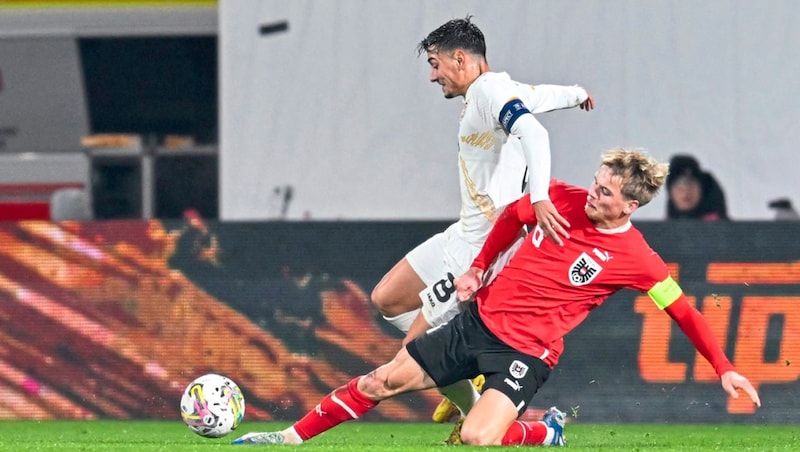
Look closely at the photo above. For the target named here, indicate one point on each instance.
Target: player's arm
(504, 232)
(535, 141)
(668, 296)
(544, 98)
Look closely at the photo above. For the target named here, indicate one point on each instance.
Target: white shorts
(440, 260)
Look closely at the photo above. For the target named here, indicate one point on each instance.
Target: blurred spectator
(693, 193)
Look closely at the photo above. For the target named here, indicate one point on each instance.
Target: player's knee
(479, 435)
(387, 302)
(378, 298)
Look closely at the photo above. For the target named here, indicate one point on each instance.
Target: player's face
(605, 205)
(446, 71)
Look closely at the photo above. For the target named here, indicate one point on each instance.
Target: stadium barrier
(111, 319)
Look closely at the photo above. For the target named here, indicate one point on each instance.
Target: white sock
(462, 393)
(403, 321)
(290, 436)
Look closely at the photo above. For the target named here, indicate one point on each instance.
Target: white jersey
(491, 168)
(490, 178)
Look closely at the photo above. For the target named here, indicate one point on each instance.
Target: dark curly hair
(455, 34)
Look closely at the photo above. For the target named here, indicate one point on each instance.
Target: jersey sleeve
(544, 98)
(535, 143)
(502, 102)
(654, 278)
(695, 327)
(665, 292)
(505, 231)
(669, 297)
(533, 136)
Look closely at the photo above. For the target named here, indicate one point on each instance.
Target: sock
(522, 433)
(403, 321)
(290, 436)
(462, 393)
(345, 403)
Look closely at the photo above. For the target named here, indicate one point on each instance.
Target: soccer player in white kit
(497, 137)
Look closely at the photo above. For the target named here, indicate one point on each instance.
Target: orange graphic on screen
(750, 332)
(94, 323)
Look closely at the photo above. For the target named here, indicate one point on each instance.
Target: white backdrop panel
(339, 107)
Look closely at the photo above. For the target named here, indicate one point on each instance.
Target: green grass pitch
(365, 436)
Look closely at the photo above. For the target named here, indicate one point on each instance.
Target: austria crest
(583, 270)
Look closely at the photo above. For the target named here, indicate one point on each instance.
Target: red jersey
(547, 290)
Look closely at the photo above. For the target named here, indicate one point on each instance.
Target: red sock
(345, 403)
(523, 433)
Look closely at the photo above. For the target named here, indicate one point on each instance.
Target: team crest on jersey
(583, 270)
(518, 369)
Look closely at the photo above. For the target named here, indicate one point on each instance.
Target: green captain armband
(665, 292)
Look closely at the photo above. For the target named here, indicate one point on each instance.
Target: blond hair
(642, 176)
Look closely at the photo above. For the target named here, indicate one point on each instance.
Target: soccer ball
(212, 406)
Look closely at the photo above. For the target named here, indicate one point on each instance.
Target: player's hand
(588, 104)
(468, 283)
(551, 222)
(731, 381)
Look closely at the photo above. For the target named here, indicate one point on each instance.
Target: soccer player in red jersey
(513, 333)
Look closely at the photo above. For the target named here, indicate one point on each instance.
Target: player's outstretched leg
(345, 403)
(547, 432)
